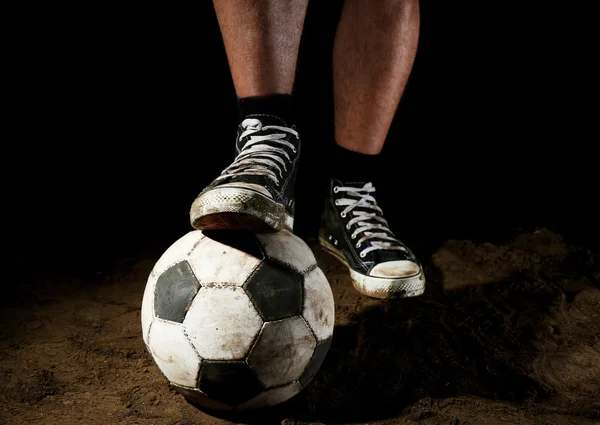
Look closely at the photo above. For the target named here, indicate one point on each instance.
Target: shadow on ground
(510, 327)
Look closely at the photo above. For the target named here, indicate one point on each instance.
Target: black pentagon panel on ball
(231, 383)
(276, 291)
(242, 240)
(316, 361)
(175, 289)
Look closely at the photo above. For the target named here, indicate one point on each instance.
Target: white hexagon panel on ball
(173, 353)
(222, 323)
(289, 249)
(319, 307)
(282, 352)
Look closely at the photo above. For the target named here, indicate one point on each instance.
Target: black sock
(353, 167)
(278, 105)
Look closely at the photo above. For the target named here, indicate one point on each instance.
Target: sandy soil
(505, 334)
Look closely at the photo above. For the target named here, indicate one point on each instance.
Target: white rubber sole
(238, 207)
(380, 287)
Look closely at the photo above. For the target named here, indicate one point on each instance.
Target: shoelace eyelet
(357, 245)
(362, 255)
(336, 189)
(348, 227)
(337, 201)
(343, 214)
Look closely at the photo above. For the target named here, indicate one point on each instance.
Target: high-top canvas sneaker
(354, 230)
(255, 192)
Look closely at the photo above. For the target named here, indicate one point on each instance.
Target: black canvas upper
(282, 191)
(333, 229)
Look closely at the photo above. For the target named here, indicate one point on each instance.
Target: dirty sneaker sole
(238, 208)
(380, 287)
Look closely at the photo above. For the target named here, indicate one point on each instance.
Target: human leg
(255, 192)
(374, 51)
(375, 47)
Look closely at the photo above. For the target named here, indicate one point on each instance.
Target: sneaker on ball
(256, 191)
(354, 230)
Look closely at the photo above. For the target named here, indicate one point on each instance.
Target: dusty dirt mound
(505, 334)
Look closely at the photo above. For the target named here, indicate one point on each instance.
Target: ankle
(275, 105)
(350, 166)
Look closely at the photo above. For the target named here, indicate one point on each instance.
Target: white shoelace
(259, 156)
(364, 220)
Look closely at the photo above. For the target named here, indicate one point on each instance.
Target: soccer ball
(236, 320)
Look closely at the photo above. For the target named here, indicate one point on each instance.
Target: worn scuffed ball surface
(237, 320)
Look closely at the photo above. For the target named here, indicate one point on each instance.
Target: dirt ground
(507, 333)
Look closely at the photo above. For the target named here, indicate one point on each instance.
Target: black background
(122, 114)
